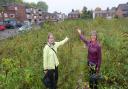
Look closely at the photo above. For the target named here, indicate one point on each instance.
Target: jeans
(53, 76)
(93, 82)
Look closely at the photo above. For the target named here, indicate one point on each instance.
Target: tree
(33, 5)
(42, 5)
(86, 13)
(3, 2)
(2, 12)
(84, 9)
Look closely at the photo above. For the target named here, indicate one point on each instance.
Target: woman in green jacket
(50, 60)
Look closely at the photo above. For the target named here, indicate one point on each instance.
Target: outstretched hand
(97, 71)
(79, 31)
(45, 72)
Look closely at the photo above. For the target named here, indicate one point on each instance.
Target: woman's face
(93, 38)
(51, 39)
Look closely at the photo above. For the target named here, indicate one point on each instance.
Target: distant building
(108, 13)
(34, 15)
(13, 11)
(37, 15)
(22, 13)
(60, 16)
(49, 17)
(75, 14)
(122, 10)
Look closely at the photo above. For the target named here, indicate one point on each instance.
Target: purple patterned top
(94, 51)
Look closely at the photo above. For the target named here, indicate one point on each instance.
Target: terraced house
(122, 10)
(34, 15)
(108, 13)
(21, 13)
(37, 15)
(74, 14)
(13, 11)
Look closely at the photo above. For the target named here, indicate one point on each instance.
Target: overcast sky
(67, 5)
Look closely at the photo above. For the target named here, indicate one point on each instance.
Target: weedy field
(21, 61)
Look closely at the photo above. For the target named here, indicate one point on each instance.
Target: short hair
(93, 33)
(49, 34)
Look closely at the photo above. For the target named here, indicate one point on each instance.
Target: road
(8, 33)
(12, 32)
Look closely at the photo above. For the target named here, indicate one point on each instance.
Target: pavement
(12, 32)
(8, 33)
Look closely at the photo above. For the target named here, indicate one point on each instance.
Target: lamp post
(15, 11)
(2, 13)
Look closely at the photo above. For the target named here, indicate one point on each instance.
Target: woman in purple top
(94, 52)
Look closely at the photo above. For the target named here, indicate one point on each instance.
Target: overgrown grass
(21, 62)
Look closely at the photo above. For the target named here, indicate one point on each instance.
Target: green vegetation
(39, 5)
(86, 14)
(21, 63)
(3, 2)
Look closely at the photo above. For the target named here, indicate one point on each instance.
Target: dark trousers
(93, 82)
(53, 76)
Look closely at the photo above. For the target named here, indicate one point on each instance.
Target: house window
(29, 20)
(125, 9)
(69, 16)
(16, 8)
(28, 11)
(39, 10)
(50, 17)
(27, 16)
(11, 8)
(47, 17)
(35, 20)
(34, 17)
(12, 15)
(5, 15)
(0, 15)
(53, 17)
(34, 11)
(125, 15)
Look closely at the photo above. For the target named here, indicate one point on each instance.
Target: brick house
(122, 10)
(37, 15)
(32, 15)
(74, 14)
(13, 11)
(50, 16)
(108, 13)
(60, 16)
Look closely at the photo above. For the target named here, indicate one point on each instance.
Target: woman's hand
(97, 71)
(79, 31)
(45, 71)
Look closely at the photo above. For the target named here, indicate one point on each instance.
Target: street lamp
(2, 13)
(15, 14)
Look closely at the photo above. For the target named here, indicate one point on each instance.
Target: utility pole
(15, 10)
(3, 12)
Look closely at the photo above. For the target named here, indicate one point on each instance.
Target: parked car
(24, 28)
(2, 26)
(9, 26)
(18, 25)
(10, 23)
(27, 23)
